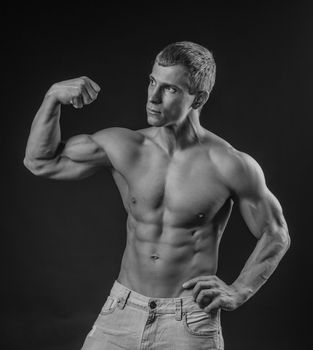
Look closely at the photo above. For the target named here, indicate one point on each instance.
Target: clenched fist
(78, 92)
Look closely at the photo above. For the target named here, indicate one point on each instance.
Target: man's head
(185, 65)
(197, 59)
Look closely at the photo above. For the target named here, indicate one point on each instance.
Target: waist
(163, 277)
(126, 296)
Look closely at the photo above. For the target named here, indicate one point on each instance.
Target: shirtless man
(178, 182)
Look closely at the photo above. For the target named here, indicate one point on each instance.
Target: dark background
(63, 241)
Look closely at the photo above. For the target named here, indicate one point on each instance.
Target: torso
(178, 207)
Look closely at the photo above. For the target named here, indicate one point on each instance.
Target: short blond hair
(197, 59)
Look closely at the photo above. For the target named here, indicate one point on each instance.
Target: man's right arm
(46, 155)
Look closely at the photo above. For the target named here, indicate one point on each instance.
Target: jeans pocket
(201, 324)
(109, 306)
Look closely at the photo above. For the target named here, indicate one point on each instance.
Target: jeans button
(152, 304)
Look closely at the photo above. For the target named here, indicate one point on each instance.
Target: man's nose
(155, 96)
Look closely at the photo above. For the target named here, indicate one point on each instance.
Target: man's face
(169, 100)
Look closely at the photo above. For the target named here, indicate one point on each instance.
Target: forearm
(45, 133)
(262, 263)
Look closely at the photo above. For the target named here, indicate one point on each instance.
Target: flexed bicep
(77, 158)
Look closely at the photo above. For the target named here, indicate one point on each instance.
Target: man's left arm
(263, 216)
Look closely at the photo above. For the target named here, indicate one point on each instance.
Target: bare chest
(177, 189)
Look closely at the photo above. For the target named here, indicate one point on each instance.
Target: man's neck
(181, 136)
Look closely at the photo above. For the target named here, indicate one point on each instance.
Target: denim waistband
(178, 306)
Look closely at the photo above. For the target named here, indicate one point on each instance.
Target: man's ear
(200, 99)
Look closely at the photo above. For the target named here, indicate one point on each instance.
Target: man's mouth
(153, 111)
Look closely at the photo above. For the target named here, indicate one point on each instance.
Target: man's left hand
(211, 293)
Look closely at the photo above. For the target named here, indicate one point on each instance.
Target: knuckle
(225, 303)
(202, 293)
(81, 82)
(221, 300)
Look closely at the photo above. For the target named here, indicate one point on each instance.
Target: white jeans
(132, 321)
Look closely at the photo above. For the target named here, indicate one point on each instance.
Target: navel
(133, 199)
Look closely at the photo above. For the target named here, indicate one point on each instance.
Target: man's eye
(152, 82)
(171, 89)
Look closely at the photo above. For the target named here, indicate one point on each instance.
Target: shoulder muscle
(241, 173)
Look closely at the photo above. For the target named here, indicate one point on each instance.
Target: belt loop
(178, 309)
(123, 300)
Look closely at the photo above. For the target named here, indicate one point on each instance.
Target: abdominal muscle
(158, 259)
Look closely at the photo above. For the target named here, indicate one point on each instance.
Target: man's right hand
(78, 92)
